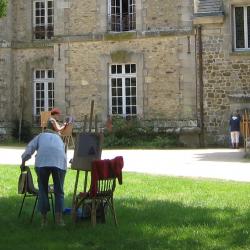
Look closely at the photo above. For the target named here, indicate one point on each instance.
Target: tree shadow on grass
(142, 224)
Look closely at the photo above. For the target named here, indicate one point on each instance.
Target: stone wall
(161, 14)
(160, 81)
(226, 77)
(23, 77)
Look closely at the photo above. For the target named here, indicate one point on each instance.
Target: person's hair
(55, 111)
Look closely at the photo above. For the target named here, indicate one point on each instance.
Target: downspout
(201, 87)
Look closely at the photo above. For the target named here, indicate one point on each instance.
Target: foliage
(26, 132)
(135, 133)
(3, 7)
(153, 212)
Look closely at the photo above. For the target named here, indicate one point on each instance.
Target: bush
(26, 134)
(134, 133)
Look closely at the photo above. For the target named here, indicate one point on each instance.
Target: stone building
(182, 65)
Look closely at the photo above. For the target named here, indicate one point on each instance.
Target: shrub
(26, 134)
(135, 133)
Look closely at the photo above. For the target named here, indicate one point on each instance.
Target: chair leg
(21, 208)
(72, 140)
(113, 210)
(31, 219)
(53, 209)
(93, 213)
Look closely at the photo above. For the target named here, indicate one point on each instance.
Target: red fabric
(104, 169)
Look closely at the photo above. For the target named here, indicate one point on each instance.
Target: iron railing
(122, 22)
(43, 32)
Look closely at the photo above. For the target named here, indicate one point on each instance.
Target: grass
(154, 212)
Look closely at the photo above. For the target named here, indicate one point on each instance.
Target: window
(242, 28)
(122, 15)
(122, 89)
(43, 90)
(43, 19)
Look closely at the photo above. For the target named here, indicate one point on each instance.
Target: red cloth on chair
(104, 169)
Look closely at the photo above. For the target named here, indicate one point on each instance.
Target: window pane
(50, 4)
(239, 27)
(133, 101)
(248, 25)
(133, 68)
(119, 91)
(113, 92)
(120, 110)
(127, 82)
(134, 110)
(114, 101)
(127, 68)
(119, 82)
(128, 110)
(113, 82)
(42, 73)
(127, 91)
(128, 101)
(113, 69)
(119, 69)
(50, 73)
(133, 81)
(119, 101)
(133, 91)
(37, 74)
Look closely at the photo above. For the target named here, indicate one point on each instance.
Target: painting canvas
(87, 149)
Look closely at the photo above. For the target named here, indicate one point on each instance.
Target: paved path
(225, 164)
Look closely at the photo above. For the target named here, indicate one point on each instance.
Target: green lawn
(154, 212)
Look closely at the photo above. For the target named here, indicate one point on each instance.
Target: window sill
(240, 53)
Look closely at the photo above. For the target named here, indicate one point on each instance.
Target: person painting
(50, 160)
(234, 124)
(53, 121)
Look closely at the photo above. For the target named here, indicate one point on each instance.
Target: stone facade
(164, 46)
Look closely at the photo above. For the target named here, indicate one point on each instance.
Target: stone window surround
(229, 28)
(136, 58)
(245, 25)
(123, 76)
(45, 16)
(38, 63)
(45, 80)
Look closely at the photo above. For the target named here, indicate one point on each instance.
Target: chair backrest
(67, 131)
(44, 117)
(104, 174)
(25, 182)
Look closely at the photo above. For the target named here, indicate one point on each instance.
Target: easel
(86, 161)
(245, 129)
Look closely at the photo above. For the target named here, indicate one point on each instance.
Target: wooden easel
(245, 129)
(88, 170)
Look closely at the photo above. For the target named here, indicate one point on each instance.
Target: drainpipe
(201, 89)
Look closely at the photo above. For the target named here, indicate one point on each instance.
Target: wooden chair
(67, 136)
(44, 117)
(27, 189)
(103, 183)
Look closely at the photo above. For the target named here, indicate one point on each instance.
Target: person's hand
(22, 166)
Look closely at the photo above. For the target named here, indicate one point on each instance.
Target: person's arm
(30, 149)
(56, 126)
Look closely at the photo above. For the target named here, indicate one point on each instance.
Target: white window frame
(123, 76)
(46, 80)
(245, 28)
(131, 15)
(46, 24)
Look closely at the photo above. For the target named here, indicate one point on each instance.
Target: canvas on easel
(87, 149)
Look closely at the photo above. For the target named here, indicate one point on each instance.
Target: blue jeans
(58, 176)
